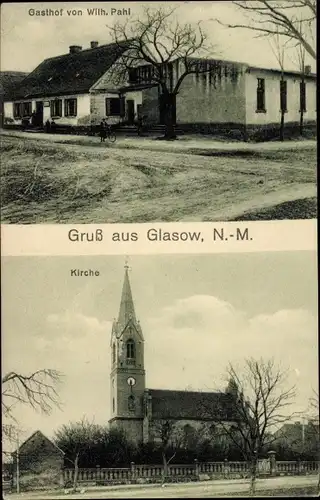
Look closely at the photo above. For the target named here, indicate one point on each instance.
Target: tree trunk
(76, 471)
(301, 121)
(253, 478)
(302, 102)
(282, 126)
(170, 116)
(283, 104)
(165, 467)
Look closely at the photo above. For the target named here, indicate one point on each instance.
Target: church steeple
(127, 376)
(126, 311)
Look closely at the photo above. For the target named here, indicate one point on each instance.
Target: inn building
(79, 88)
(140, 411)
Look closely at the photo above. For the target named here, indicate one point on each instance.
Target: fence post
(273, 463)
(196, 467)
(300, 466)
(61, 478)
(98, 473)
(133, 471)
(226, 468)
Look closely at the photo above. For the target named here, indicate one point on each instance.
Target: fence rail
(150, 473)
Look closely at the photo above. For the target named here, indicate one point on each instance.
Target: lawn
(51, 181)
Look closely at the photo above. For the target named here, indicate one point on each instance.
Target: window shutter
(108, 106)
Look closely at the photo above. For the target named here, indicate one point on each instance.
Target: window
(283, 95)
(303, 97)
(17, 113)
(56, 107)
(113, 405)
(261, 98)
(131, 349)
(70, 107)
(114, 106)
(131, 403)
(26, 108)
(22, 109)
(113, 353)
(133, 75)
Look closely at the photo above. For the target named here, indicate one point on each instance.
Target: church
(138, 410)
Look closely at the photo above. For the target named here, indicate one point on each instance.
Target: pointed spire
(126, 311)
(232, 387)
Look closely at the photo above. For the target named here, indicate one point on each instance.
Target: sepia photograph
(178, 376)
(143, 112)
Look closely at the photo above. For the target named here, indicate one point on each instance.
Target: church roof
(126, 311)
(191, 405)
(72, 73)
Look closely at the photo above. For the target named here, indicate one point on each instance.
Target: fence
(296, 468)
(196, 471)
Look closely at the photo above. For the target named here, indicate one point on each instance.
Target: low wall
(184, 472)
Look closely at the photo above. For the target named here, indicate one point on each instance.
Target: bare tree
(301, 54)
(293, 19)
(278, 49)
(157, 39)
(75, 439)
(260, 403)
(170, 438)
(37, 390)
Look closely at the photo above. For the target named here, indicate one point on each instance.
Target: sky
(26, 40)
(198, 313)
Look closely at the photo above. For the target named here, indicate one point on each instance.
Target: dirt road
(45, 180)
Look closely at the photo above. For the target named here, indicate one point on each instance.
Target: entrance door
(130, 111)
(39, 114)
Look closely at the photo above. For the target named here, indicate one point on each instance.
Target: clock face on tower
(131, 381)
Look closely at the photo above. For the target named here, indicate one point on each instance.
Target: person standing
(103, 130)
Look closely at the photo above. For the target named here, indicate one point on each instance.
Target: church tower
(127, 378)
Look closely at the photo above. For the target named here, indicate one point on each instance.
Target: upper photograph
(158, 112)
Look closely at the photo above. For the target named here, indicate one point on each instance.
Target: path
(209, 489)
(184, 144)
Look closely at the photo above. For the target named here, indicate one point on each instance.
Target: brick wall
(131, 427)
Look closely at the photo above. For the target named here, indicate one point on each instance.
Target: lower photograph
(155, 376)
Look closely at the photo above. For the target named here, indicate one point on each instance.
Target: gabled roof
(192, 405)
(40, 434)
(9, 80)
(69, 73)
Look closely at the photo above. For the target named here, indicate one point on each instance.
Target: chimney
(73, 49)
(307, 70)
(93, 45)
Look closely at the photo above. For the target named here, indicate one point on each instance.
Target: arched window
(131, 354)
(113, 353)
(131, 403)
